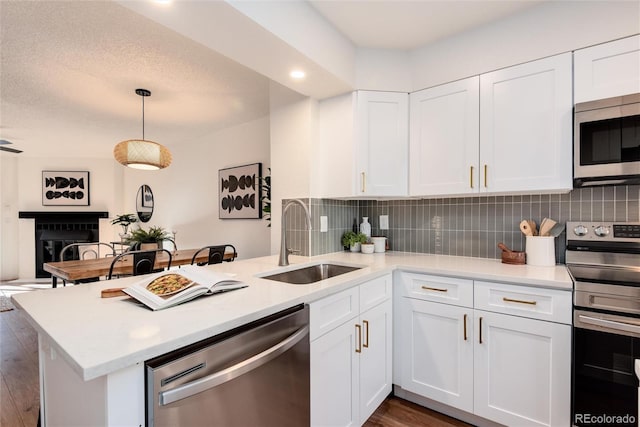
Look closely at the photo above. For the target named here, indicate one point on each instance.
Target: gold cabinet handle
(359, 332)
(519, 301)
(465, 327)
(471, 176)
(366, 333)
(363, 185)
(426, 288)
(485, 176)
(480, 329)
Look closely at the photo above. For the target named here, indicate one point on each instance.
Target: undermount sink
(311, 274)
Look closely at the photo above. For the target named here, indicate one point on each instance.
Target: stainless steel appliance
(607, 141)
(604, 261)
(255, 375)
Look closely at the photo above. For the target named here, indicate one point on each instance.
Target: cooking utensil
(504, 247)
(546, 225)
(556, 230)
(528, 227)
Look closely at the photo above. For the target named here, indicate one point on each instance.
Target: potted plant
(353, 240)
(148, 239)
(124, 220)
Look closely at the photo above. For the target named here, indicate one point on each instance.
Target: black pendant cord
(143, 93)
(143, 118)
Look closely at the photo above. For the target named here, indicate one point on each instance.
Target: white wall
(186, 193)
(103, 176)
(8, 216)
(293, 124)
(545, 30)
(383, 69)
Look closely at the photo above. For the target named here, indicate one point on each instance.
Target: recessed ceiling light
(163, 2)
(297, 74)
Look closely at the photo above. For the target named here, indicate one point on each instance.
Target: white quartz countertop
(99, 336)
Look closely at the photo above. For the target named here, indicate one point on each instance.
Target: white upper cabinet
(526, 127)
(607, 70)
(363, 145)
(444, 139)
(502, 132)
(382, 143)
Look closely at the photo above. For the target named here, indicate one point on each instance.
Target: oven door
(607, 144)
(605, 387)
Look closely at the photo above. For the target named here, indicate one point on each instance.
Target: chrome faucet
(284, 251)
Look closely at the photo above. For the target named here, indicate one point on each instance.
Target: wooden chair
(88, 250)
(216, 254)
(143, 261)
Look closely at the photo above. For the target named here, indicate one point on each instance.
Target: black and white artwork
(65, 188)
(239, 192)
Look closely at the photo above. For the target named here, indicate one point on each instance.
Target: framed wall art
(65, 188)
(239, 192)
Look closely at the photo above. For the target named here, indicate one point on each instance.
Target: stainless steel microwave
(607, 141)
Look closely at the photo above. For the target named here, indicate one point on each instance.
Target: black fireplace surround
(55, 230)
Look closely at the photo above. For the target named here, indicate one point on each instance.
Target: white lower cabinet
(506, 368)
(437, 355)
(351, 369)
(522, 370)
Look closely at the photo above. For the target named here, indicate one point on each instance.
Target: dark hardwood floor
(19, 385)
(396, 412)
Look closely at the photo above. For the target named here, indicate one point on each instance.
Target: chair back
(216, 254)
(143, 261)
(90, 250)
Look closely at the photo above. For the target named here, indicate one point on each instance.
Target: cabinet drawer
(374, 292)
(332, 311)
(536, 303)
(449, 290)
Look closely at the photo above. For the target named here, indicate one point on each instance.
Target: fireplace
(55, 230)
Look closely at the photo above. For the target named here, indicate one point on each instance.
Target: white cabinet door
(522, 370)
(437, 352)
(335, 378)
(607, 70)
(382, 143)
(444, 139)
(526, 127)
(375, 358)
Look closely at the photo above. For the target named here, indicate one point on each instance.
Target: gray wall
(465, 226)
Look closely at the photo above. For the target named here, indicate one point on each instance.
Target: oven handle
(616, 326)
(221, 377)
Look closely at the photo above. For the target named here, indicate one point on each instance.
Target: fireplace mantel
(61, 214)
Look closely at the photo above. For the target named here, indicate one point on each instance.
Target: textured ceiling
(69, 71)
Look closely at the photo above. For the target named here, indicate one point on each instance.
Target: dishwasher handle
(228, 374)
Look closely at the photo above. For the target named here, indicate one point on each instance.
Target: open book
(169, 288)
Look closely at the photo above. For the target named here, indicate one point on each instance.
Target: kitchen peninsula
(96, 348)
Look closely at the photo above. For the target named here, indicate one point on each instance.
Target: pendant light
(140, 153)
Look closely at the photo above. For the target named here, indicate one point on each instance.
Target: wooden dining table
(73, 271)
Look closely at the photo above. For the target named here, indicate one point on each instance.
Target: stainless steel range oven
(604, 261)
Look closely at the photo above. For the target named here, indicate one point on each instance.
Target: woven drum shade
(142, 154)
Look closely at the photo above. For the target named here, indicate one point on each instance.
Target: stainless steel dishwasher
(255, 375)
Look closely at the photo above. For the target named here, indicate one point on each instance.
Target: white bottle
(365, 228)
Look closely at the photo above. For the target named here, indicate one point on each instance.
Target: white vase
(365, 228)
(355, 247)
